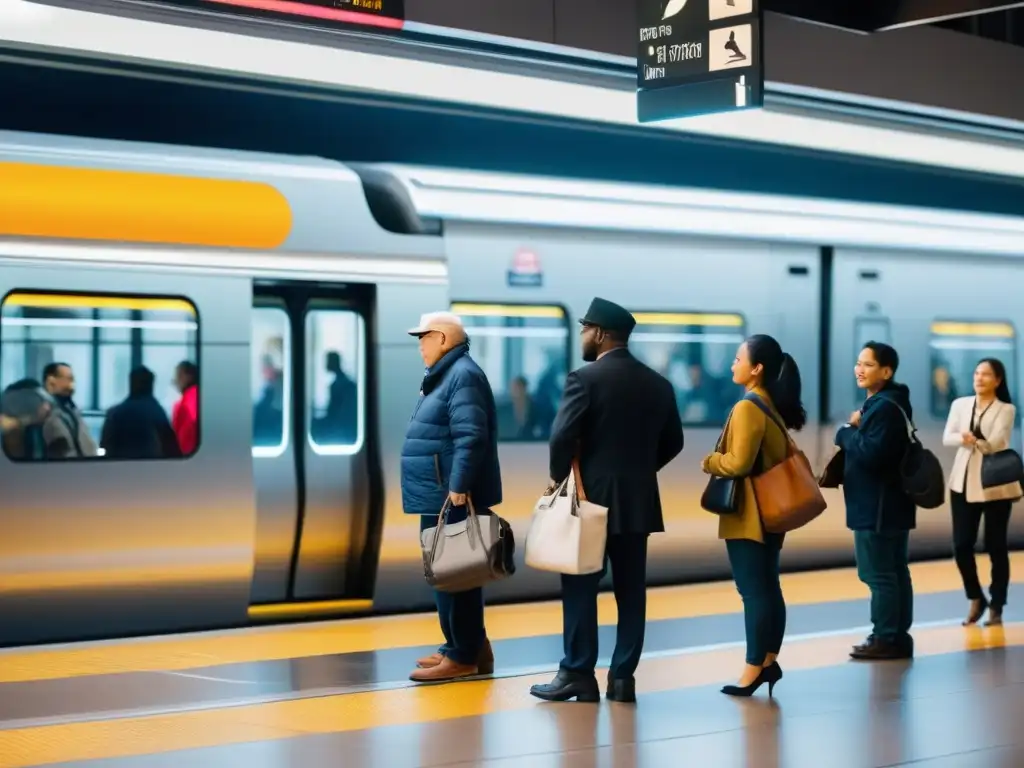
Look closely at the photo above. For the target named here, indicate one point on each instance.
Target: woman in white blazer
(979, 425)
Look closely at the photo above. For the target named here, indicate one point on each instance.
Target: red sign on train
(526, 271)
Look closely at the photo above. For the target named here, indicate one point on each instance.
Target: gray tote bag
(461, 556)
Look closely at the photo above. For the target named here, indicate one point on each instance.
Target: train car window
(113, 377)
(335, 376)
(271, 380)
(525, 352)
(693, 350)
(956, 348)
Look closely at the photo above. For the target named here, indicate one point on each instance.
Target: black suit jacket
(622, 420)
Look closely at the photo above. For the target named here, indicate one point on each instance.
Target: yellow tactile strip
(167, 733)
(357, 635)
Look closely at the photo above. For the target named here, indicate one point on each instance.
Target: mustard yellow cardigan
(747, 430)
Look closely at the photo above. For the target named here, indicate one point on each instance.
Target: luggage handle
(560, 490)
(578, 478)
(442, 519)
(563, 489)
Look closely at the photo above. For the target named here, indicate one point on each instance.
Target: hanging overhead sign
(695, 57)
(383, 14)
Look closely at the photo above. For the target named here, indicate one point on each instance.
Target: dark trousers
(755, 569)
(883, 565)
(966, 519)
(461, 614)
(627, 554)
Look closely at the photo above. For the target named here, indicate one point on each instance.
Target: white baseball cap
(436, 321)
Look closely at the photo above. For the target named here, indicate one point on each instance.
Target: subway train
(291, 282)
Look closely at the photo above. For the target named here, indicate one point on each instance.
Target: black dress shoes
(622, 690)
(875, 649)
(569, 685)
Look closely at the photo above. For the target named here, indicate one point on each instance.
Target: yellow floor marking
(503, 622)
(137, 736)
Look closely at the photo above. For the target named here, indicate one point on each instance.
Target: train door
(311, 448)
(942, 314)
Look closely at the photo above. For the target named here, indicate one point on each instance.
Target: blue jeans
(883, 565)
(461, 614)
(755, 569)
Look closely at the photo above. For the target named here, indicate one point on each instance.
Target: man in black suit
(620, 419)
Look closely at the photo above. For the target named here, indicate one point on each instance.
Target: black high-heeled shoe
(978, 608)
(770, 674)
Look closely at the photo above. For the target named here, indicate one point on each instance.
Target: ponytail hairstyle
(781, 379)
(1003, 390)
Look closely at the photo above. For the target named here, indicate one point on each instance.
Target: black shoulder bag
(721, 496)
(999, 468)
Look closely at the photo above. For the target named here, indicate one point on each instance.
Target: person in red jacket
(185, 417)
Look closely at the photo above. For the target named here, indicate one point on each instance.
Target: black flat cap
(608, 315)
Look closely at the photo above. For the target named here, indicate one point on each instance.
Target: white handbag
(568, 533)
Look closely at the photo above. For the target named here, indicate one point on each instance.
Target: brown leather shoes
(430, 661)
(444, 672)
(484, 662)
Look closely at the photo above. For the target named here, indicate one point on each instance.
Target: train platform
(337, 693)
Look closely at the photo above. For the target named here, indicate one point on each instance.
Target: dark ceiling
(1004, 26)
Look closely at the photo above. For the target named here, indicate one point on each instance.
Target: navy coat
(872, 488)
(451, 443)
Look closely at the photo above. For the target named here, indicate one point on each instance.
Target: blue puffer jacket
(452, 440)
(873, 491)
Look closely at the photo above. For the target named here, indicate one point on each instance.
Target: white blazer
(997, 426)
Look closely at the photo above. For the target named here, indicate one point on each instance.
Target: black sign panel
(698, 56)
(383, 14)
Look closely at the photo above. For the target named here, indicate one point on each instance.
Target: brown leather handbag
(788, 496)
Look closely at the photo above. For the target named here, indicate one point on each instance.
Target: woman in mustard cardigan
(752, 443)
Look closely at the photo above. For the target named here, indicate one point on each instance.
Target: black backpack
(920, 471)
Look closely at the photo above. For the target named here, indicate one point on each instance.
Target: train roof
(193, 43)
(87, 189)
(438, 194)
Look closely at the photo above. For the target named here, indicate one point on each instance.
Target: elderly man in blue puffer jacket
(451, 452)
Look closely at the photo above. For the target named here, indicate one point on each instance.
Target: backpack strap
(907, 421)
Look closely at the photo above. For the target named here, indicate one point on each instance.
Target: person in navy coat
(451, 454)
(878, 510)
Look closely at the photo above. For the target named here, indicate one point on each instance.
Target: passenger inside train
(138, 427)
(119, 379)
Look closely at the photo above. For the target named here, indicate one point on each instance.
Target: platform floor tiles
(337, 693)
